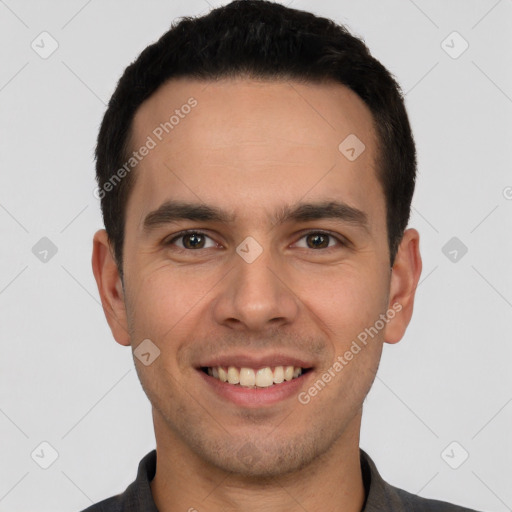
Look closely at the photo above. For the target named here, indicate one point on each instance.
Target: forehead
(246, 145)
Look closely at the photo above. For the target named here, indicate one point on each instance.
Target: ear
(110, 287)
(405, 275)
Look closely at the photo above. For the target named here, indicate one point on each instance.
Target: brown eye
(192, 240)
(320, 240)
(317, 240)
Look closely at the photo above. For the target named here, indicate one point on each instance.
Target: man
(256, 169)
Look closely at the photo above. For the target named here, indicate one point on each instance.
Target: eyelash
(342, 242)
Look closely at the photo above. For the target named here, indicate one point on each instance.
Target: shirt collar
(138, 494)
(379, 494)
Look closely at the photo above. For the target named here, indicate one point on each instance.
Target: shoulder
(113, 504)
(413, 503)
(137, 495)
(382, 496)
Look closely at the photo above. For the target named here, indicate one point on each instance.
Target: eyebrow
(173, 211)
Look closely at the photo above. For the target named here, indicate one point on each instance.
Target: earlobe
(110, 287)
(405, 275)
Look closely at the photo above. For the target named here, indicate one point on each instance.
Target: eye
(320, 240)
(191, 240)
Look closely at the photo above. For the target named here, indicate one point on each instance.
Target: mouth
(263, 377)
(255, 381)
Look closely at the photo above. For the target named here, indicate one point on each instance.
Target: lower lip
(256, 397)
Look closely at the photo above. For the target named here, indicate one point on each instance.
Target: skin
(252, 147)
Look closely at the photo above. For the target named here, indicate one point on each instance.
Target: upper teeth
(249, 377)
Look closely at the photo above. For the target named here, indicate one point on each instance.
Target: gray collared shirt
(380, 496)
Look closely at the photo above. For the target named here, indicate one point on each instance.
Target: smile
(255, 377)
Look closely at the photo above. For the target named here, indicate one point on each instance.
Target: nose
(256, 296)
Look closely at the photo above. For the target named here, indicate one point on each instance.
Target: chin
(263, 459)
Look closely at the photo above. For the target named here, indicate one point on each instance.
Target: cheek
(157, 302)
(350, 304)
(349, 297)
(166, 301)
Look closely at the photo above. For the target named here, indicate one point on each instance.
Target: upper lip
(255, 361)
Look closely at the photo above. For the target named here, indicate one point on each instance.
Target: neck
(331, 483)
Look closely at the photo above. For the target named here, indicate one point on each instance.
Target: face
(285, 263)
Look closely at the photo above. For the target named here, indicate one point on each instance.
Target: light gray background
(63, 378)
